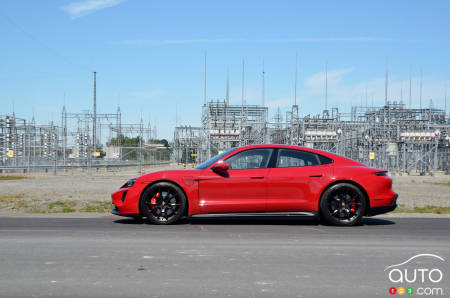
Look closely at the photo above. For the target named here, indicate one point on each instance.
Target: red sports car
(261, 180)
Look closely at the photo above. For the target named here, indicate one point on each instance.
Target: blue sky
(149, 55)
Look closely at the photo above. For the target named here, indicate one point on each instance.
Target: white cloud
(180, 41)
(256, 40)
(334, 77)
(79, 9)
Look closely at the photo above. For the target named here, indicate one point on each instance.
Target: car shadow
(256, 220)
(373, 221)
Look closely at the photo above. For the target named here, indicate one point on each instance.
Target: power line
(36, 40)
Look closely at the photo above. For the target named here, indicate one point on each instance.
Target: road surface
(226, 257)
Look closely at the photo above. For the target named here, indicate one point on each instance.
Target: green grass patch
(36, 209)
(14, 202)
(445, 183)
(97, 206)
(424, 209)
(20, 202)
(62, 207)
(5, 198)
(12, 177)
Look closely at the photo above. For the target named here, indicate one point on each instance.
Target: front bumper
(383, 209)
(116, 212)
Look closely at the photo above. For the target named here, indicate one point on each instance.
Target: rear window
(296, 158)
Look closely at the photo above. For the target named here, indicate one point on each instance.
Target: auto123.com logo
(419, 275)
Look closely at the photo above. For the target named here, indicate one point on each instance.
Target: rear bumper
(383, 209)
(116, 212)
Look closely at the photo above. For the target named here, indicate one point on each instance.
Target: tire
(163, 203)
(342, 204)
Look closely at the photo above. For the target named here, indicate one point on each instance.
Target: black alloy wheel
(163, 203)
(342, 205)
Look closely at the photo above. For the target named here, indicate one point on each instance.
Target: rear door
(241, 189)
(292, 181)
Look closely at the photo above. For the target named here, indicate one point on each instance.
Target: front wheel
(163, 203)
(342, 205)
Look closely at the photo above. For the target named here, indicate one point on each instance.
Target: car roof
(333, 156)
(337, 159)
(284, 147)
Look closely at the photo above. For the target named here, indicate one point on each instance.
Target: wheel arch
(359, 186)
(186, 210)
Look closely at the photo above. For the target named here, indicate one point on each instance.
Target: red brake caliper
(153, 200)
(353, 208)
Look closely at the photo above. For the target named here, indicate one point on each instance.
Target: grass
(12, 177)
(424, 209)
(21, 203)
(14, 202)
(72, 206)
(62, 207)
(4, 198)
(97, 206)
(445, 183)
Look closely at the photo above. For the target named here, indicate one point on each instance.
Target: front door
(240, 189)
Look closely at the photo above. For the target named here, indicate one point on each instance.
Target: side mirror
(221, 167)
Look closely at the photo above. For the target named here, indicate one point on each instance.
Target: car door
(292, 181)
(240, 189)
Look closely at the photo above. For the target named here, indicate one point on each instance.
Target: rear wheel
(163, 203)
(342, 205)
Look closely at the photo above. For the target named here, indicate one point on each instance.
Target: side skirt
(259, 214)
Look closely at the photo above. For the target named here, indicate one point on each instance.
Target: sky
(149, 55)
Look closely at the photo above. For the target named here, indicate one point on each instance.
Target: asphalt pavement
(212, 257)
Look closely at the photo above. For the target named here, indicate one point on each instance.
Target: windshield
(209, 162)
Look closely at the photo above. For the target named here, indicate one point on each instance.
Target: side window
(296, 158)
(250, 159)
(324, 160)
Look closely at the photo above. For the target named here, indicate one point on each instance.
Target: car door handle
(316, 176)
(256, 177)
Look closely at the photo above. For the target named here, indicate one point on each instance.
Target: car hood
(170, 174)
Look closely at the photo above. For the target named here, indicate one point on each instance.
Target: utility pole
(326, 85)
(420, 96)
(401, 92)
(410, 80)
(64, 133)
(263, 85)
(445, 101)
(366, 95)
(243, 83)
(204, 82)
(386, 81)
(295, 81)
(94, 124)
(228, 87)
(242, 132)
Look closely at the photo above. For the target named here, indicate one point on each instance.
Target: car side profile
(261, 180)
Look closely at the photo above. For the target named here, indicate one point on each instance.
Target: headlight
(129, 183)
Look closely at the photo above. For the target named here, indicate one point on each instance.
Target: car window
(324, 160)
(296, 158)
(250, 159)
(209, 162)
